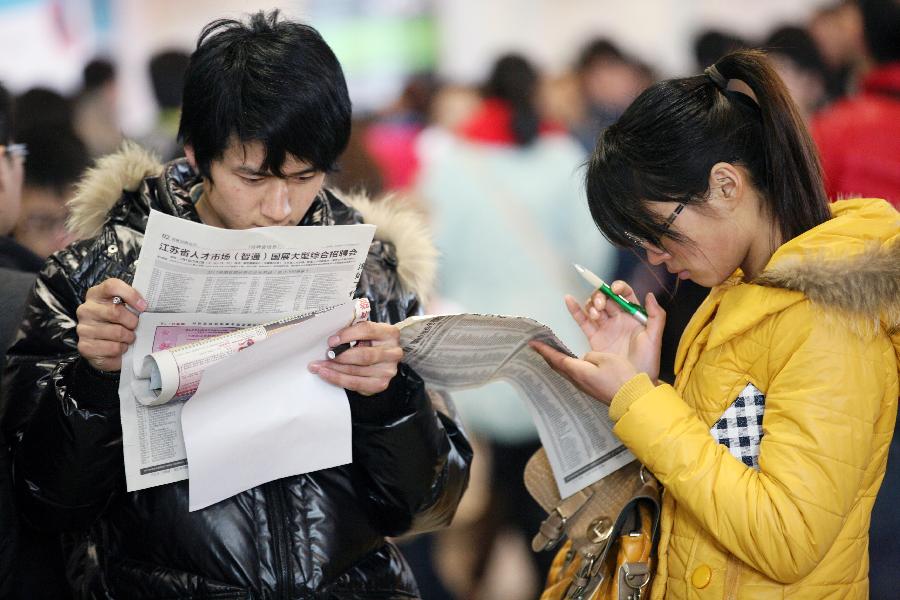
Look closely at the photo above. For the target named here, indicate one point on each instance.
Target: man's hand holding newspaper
(106, 327)
(367, 367)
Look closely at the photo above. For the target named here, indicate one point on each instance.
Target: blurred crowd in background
(496, 167)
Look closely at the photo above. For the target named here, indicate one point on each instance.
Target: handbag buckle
(582, 580)
(633, 578)
(552, 529)
(599, 530)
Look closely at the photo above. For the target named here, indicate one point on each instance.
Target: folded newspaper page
(175, 372)
(233, 445)
(469, 350)
(200, 282)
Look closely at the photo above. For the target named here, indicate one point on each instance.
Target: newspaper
(469, 350)
(201, 282)
(175, 370)
(247, 425)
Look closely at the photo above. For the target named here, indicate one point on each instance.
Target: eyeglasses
(16, 150)
(656, 247)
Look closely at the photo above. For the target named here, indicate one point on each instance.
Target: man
(57, 160)
(859, 137)
(265, 116)
(12, 173)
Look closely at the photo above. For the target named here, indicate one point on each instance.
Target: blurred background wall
(47, 42)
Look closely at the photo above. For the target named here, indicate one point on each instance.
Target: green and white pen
(635, 310)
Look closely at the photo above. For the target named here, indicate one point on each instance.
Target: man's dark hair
(167, 76)
(268, 80)
(56, 159)
(881, 28)
(711, 45)
(597, 49)
(42, 108)
(797, 45)
(6, 133)
(97, 73)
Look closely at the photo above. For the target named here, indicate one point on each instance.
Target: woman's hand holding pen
(621, 347)
(106, 323)
(368, 367)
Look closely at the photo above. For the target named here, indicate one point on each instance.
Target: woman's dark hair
(514, 81)
(270, 80)
(664, 146)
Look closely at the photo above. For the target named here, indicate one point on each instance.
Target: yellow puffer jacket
(818, 335)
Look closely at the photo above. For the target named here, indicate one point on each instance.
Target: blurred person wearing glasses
(12, 173)
(56, 162)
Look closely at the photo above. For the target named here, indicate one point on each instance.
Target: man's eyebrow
(306, 171)
(248, 170)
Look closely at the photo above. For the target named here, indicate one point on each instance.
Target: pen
(635, 310)
(118, 300)
(339, 349)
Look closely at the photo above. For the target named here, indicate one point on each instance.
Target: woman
(772, 443)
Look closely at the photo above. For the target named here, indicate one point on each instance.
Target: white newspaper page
(245, 425)
(460, 351)
(209, 281)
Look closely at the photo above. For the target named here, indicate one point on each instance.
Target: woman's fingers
(580, 316)
(656, 318)
(623, 289)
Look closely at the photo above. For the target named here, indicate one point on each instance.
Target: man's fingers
(377, 371)
(93, 312)
(370, 355)
(362, 385)
(110, 332)
(377, 333)
(112, 288)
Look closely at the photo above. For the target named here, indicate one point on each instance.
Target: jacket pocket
(135, 580)
(740, 427)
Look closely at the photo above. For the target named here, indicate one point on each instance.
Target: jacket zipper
(282, 549)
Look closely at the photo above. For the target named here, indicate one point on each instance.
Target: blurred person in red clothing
(859, 143)
(391, 138)
(859, 137)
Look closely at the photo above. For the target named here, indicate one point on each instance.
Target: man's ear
(727, 184)
(189, 155)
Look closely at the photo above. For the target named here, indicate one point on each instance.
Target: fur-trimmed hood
(396, 222)
(849, 265)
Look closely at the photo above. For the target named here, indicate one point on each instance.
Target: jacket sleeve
(825, 395)
(61, 416)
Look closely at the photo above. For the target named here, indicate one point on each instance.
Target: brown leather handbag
(610, 528)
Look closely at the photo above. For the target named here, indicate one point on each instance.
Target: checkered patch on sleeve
(740, 428)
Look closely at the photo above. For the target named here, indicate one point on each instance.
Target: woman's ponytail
(793, 175)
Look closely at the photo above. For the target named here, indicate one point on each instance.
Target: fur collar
(864, 285)
(396, 221)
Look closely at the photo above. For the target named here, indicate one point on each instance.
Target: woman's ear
(727, 185)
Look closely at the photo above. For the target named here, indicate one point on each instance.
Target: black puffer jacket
(319, 535)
